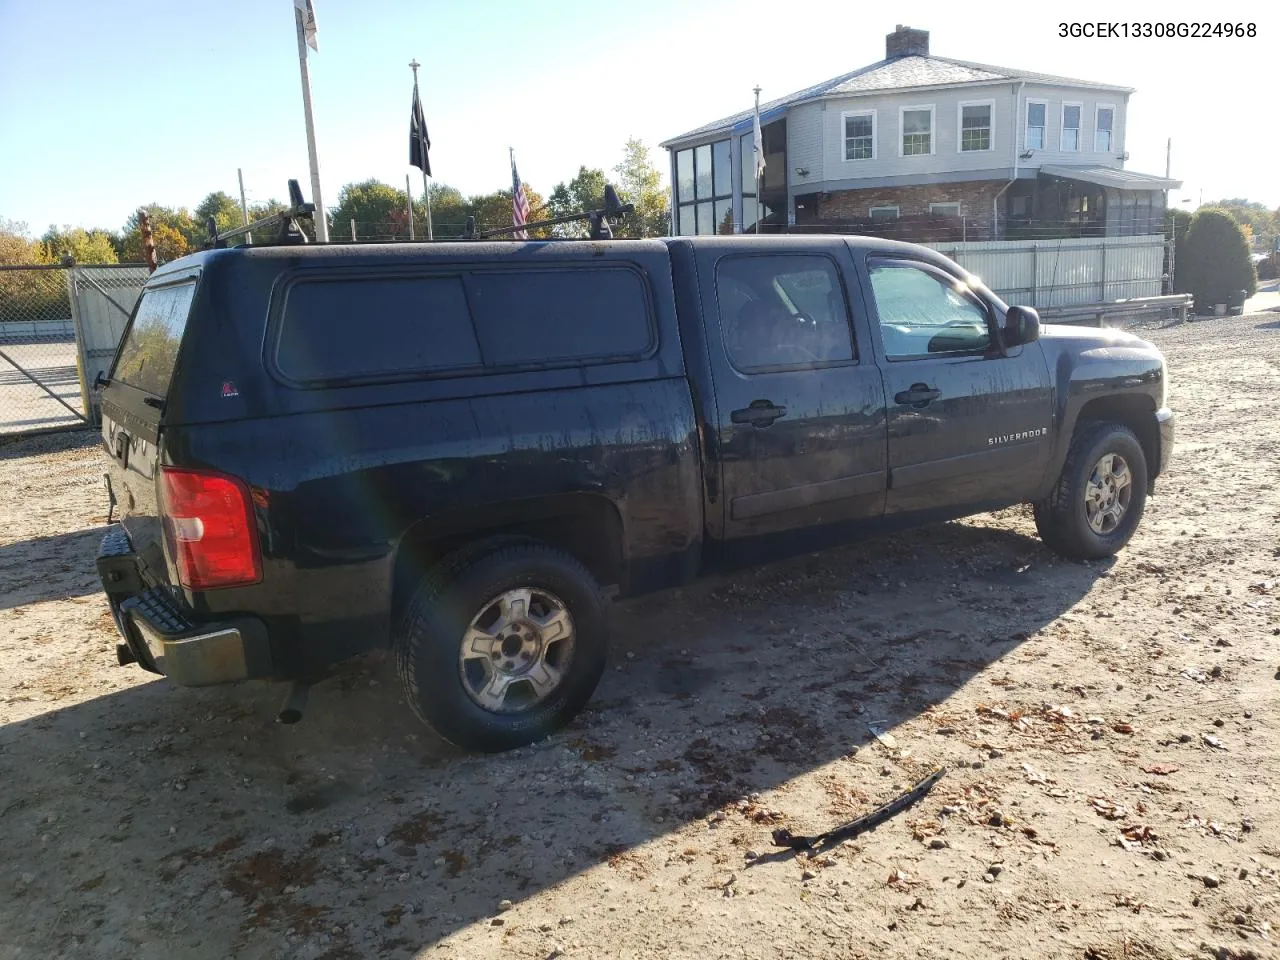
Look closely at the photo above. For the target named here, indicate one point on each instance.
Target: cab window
(925, 311)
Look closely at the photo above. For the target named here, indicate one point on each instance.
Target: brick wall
(974, 197)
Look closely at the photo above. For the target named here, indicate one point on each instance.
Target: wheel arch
(1135, 411)
(587, 526)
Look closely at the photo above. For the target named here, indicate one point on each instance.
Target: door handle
(918, 396)
(761, 413)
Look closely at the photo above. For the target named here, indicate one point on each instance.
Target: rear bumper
(1165, 421)
(167, 640)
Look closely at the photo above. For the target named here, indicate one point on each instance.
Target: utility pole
(322, 225)
(244, 207)
(426, 192)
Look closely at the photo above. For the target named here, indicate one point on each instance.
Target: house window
(883, 213)
(704, 189)
(944, 209)
(1071, 126)
(917, 130)
(859, 135)
(975, 126)
(1037, 110)
(1102, 137)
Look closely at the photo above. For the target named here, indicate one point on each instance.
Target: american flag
(519, 202)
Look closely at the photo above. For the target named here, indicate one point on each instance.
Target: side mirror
(1021, 325)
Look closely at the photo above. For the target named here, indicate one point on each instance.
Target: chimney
(905, 42)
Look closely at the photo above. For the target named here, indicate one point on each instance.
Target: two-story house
(918, 137)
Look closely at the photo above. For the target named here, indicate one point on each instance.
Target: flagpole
(426, 192)
(322, 225)
(409, 199)
(757, 147)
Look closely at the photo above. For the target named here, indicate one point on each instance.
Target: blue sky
(108, 105)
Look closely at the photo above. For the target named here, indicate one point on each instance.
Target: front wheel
(500, 646)
(1098, 501)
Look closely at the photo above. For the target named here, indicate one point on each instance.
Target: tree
(28, 294)
(494, 210)
(16, 247)
(583, 192)
(174, 231)
(1264, 223)
(83, 246)
(378, 209)
(640, 182)
(225, 211)
(448, 212)
(1217, 259)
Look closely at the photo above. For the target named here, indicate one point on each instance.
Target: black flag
(419, 141)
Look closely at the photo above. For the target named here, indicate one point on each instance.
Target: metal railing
(1175, 305)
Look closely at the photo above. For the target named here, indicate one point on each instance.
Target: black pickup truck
(460, 450)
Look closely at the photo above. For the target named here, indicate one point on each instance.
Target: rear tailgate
(133, 404)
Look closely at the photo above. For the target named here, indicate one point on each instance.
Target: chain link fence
(39, 381)
(58, 326)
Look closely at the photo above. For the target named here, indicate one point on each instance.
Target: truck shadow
(212, 829)
(49, 568)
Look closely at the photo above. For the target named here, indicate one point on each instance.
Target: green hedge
(1216, 263)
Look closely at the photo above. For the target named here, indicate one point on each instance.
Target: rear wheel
(1098, 501)
(502, 644)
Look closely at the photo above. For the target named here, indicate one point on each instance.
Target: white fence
(1056, 273)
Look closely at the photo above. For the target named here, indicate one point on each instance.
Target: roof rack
(599, 220)
(286, 220)
(291, 232)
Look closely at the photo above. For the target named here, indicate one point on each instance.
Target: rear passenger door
(800, 406)
(969, 423)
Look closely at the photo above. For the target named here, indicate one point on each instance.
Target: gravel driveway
(1111, 731)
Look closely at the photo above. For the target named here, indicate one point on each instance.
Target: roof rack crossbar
(286, 220)
(599, 220)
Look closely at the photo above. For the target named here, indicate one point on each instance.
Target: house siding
(1089, 99)
(804, 144)
(946, 159)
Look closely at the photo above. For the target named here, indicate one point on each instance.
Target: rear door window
(539, 317)
(150, 347)
(782, 311)
(375, 326)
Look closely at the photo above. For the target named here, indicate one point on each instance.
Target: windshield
(150, 346)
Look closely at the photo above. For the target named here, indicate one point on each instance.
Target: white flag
(308, 11)
(758, 144)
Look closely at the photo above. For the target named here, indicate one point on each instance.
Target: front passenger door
(968, 423)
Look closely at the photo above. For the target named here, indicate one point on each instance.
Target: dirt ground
(1111, 733)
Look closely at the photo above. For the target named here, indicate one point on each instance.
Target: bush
(1217, 260)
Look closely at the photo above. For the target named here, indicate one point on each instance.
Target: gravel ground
(1110, 730)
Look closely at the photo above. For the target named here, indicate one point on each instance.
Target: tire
(455, 692)
(1063, 518)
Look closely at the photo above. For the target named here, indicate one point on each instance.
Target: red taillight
(210, 527)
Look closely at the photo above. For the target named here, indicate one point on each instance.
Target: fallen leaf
(1138, 833)
(1108, 808)
(1161, 769)
(1123, 728)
